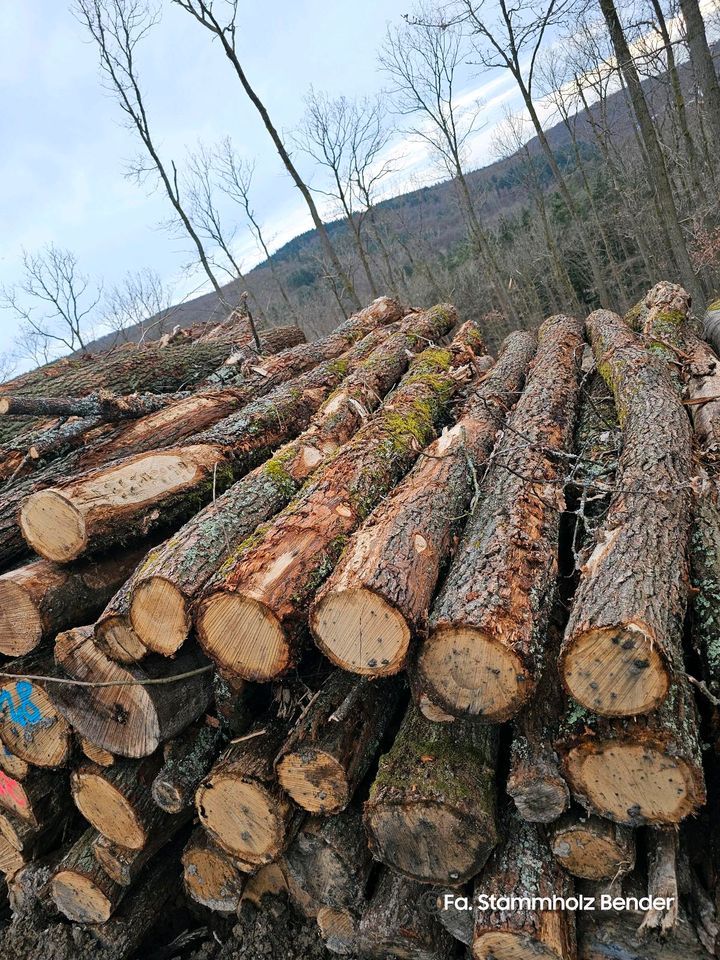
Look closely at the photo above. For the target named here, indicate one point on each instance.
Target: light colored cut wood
(244, 635)
(159, 615)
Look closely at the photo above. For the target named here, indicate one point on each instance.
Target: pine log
(130, 717)
(28, 451)
(173, 575)
(31, 797)
(187, 760)
(484, 653)
(39, 600)
(397, 923)
(30, 726)
(523, 867)
(431, 811)
(623, 638)
(705, 584)
(123, 864)
(102, 405)
(379, 595)
(151, 610)
(329, 859)
(117, 800)
(251, 619)
(81, 889)
(636, 770)
(592, 848)
(211, 877)
(34, 840)
(240, 803)
(328, 753)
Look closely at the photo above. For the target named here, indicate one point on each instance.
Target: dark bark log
(174, 575)
(329, 860)
(623, 638)
(39, 600)
(431, 811)
(328, 754)
(117, 800)
(130, 717)
(28, 451)
(31, 797)
(123, 864)
(644, 770)
(211, 877)
(240, 803)
(101, 405)
(379, 595)
(523, 867)
(81, 889)
(187, 760)
(252, 617)
(30, 726)
(33, 840)
(396, 923)
(592, 848)
(484, 654)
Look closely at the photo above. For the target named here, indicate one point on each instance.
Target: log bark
(174, 575)
(117, 801)
(397, 924)
(31, 797)
(101, 405)
(523, 867)
(240, 803)
(484, 653)
(622, 641)
(662, 882)
(187, 760)
(338, 929)
(379, 595)
(643, 770)
(30, 726)
(328, 753)
(211, 877)
(592, 848)
(81, 889)
(329, 860)
(33, 840)
(431, 811)
(39, 600)
(123, 864)
(251, 619)
(129, 718)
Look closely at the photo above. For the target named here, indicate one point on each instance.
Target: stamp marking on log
(11, 788)
(25, 711)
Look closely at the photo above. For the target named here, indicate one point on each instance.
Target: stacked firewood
(380, 624)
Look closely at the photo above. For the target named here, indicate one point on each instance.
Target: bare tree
(225, 29)
(423, 61)
(141, 302)
(703, 64)
(54, 301)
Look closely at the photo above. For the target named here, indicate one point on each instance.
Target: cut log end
(361, 632)
(159, 615)
(504, 945)
(243, 637)
(20, 622)
(315, 780)
(44, 741)
(256, 836)
(107, 810)
(211, 879)
(431, 711)
(402, 834)
(540, 802)
(591, 855)
(53, 526)
(468, 672)
(118, 640)
(634, 783)
(79, 899)
(616, 672)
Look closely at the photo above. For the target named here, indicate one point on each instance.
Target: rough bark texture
(251, 619)
(101, 405)
(329, 859)
(592, 848)
(431, 811)
(396, 923)
(187, 761)
(39, 600)
(240, 803)
(331, 748)
(123, 864)
(30, 726)
(211, 877)
(643, 770)
(31, 797)
(484, 654)
(622, 641)
(379, 595)
(662, 881)
(81, 889)
(523, 867)
(130, 719)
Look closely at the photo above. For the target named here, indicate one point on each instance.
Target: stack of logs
(380, 624)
